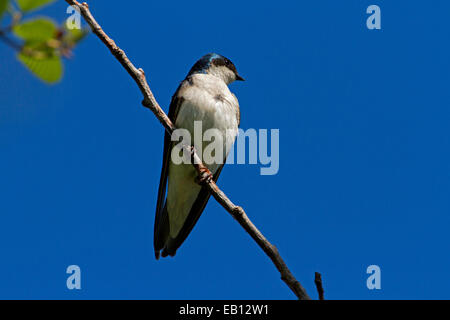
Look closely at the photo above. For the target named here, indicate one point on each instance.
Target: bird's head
(217, 65)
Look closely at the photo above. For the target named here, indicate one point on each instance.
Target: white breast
(209, 100)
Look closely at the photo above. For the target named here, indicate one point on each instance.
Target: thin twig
(319, 285)
(16, 17)
(150, 102)
(3, 33)
(9, 41)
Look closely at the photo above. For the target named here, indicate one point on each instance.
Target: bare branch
(150, 102)
(319, 286)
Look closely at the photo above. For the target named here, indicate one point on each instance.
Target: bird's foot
(205, 176)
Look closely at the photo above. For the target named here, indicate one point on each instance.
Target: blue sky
(364, 154)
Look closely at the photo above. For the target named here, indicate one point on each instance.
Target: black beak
(239, 78)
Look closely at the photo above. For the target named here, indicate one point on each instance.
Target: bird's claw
(205, 176)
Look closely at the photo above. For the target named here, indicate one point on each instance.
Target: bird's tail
(161, 234)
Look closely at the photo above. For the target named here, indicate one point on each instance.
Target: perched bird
(202, 96)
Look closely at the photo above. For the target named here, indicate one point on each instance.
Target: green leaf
(36, 30)
(30, 5)
(3, 6)
(73, 36)
(47, 66)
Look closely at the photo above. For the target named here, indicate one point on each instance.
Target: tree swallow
(202, 96)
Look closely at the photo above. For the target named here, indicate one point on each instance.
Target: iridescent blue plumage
(203, 64)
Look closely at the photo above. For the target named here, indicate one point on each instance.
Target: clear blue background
(364, 154)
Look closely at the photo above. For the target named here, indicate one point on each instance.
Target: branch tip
(319, 285)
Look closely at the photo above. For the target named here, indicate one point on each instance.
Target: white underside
(199, 104)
